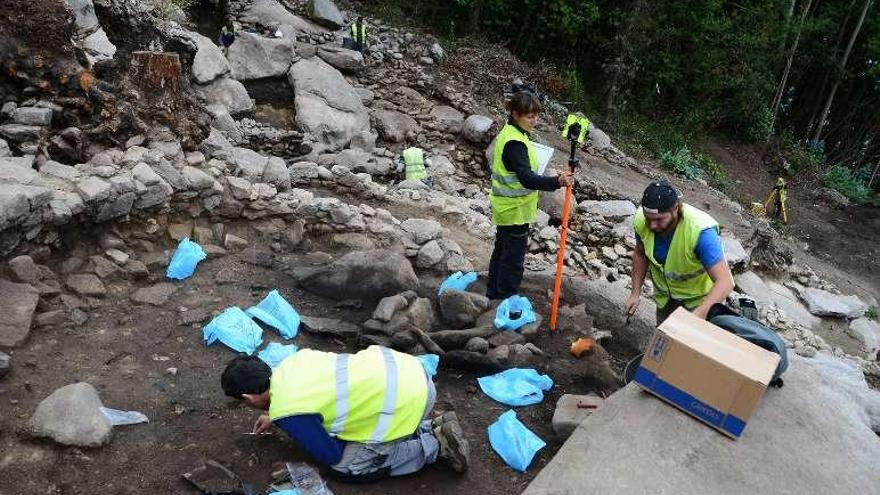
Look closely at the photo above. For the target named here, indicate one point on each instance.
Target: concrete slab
(814, 435)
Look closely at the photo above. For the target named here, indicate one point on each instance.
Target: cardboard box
(706, 371)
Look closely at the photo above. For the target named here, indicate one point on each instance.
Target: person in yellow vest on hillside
(681, 247)
(364, 415)
(413, 165)
(359, 34)
(514, 196)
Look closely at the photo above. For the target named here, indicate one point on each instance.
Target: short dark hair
(245, 375)
(524, 103)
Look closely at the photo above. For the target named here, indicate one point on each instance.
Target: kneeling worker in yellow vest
(514, 196)
(682, 247)
(413, 165)
(364, 415)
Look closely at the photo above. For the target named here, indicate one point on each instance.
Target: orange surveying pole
(573, 132)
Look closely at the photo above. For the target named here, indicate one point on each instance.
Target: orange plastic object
(581, 346)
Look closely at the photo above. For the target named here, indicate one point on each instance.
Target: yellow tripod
(779, 196)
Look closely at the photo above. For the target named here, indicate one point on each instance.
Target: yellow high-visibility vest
(376, 395)
(512, 204)
(414, 159)
(683, 276)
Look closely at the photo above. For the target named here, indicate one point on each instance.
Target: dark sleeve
(515, 158)
(308, 432)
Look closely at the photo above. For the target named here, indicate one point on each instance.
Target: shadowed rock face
(368, 275)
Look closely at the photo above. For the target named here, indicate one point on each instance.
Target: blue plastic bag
(506, 315)
(286, 492)
(276, 312)
(515, 443)
(274, 353)
(184, 260)
(459, 281)
(235, 329)
(429, 362)
(516, 386)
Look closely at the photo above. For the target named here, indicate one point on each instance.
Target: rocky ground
(168, 138)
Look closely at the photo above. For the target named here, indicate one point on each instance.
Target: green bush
(682, 162)
(713, 170)
(848, 183)
(872, 313)
(762, 126)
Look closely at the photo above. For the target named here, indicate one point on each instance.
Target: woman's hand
(632, 304)
(566, 179)
(262, 425)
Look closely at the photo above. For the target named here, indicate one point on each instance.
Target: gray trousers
(400, 457)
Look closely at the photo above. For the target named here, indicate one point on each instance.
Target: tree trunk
(783, 81)
(474, 17)
(623, 53)
(840, 72)
(874, 175)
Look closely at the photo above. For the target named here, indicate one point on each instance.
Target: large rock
(767, 293)
(394, 126)
(326, 105)
(447, 119)
(461, 309)
(553, 202)
(17, 305)
(736, 255)
(422, 230)
(97, 47)
(614, 209)
(325, 13)
(271, 14)
(209, 62)
(86, 284)
(255, 57)
(342, 58)
(33, 116)
(868, 331)
(329, 326)
(604, 301)
(814, 435)
(368, 275)
(249, 164)
(156, 295)
(598, 139)
(72, 416)
(476, 128)
(229, 93)
(823, 303)
(84, 17)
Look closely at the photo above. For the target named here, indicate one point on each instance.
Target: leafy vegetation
(847, 182)
(872, 313)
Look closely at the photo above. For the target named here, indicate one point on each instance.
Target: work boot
(454, 447)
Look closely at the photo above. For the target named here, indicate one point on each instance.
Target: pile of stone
(26, 125)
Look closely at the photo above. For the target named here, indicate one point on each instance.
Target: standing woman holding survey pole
(514, 196)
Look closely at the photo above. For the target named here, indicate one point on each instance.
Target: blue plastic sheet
(184, 260)
(235, 329)
(458, 280)
(286, 492)
(429, 362)
(514, 313)
(515, 443)
(274, 353)
(276, 312)
(516, 386)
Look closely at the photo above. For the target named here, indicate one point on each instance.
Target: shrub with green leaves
(682, 162)
(848, 183)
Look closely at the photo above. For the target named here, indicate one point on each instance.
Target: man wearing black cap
(682, 247)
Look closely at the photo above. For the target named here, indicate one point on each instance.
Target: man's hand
(701, 311)
(262, 425)
(566, 179)
(632, 304)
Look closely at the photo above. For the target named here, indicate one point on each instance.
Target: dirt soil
(124, 350)
(841, 244)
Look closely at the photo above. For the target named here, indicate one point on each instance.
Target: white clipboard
(543, 153)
